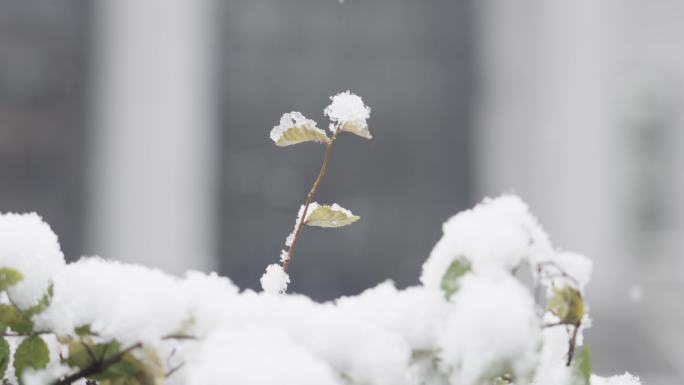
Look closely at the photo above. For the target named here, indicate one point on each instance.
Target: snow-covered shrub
(471, 321)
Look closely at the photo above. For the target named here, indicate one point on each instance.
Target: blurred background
(139, 131)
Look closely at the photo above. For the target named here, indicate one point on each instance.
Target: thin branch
(174, 369)
(572, 343)
(90, 352)
(179, 336)
(309, 199)
(97, 367)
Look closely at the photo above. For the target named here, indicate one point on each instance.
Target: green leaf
(41, 305)
(31, 353)
(15, 320)
(582, 365)
(299, 134)
(450, 280)
(4, 356)
(329, 216)
(132, 370)
(83, 352)
(83, 330)
(9, 277)
(566, 304)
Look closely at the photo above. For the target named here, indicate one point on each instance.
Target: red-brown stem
(572, 343)
(309, 199)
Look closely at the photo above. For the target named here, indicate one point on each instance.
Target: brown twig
(572, 343)
(309, 199)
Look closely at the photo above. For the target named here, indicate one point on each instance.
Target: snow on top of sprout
(348, 113)
(29, 246)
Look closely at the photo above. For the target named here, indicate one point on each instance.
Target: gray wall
(43, 57)
(410, 61)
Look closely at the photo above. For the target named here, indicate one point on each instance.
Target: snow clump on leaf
(348, 113)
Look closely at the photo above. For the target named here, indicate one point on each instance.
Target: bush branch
(97, 367)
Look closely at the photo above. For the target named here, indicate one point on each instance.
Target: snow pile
(205, 331)
(494, 236)
(348, 113)
(28, 245)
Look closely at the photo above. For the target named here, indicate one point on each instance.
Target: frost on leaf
(329, 216)
(295, 128)
(348, 113)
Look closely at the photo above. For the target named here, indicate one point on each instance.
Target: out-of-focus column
(548, 127)
(154, 141)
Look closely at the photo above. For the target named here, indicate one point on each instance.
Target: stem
(572, 343)
(309, 199)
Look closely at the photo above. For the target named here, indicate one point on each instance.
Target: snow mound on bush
(29, 246)
(208, 332)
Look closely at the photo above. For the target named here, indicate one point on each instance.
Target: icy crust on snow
(28, 245)
(384, 336)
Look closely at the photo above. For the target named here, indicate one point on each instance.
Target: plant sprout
(347, 113)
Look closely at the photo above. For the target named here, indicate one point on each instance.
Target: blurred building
(140, 131)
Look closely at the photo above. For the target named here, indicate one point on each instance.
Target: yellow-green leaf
(32, 353)
(450, 281)
(566, 304)
(16, 320)
(582, 365)
(329, 216)
(9, 277)
(358, 128)
(4, 356)
(295, 128)
(295, 135)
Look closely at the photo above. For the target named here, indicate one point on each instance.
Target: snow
(384, 336)
(275, 279)
(120, 294)
(624, 379)
(263, 356)
(293, 119)
(493, 328)
(28, 245)
(348, 113)
(494, 236)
